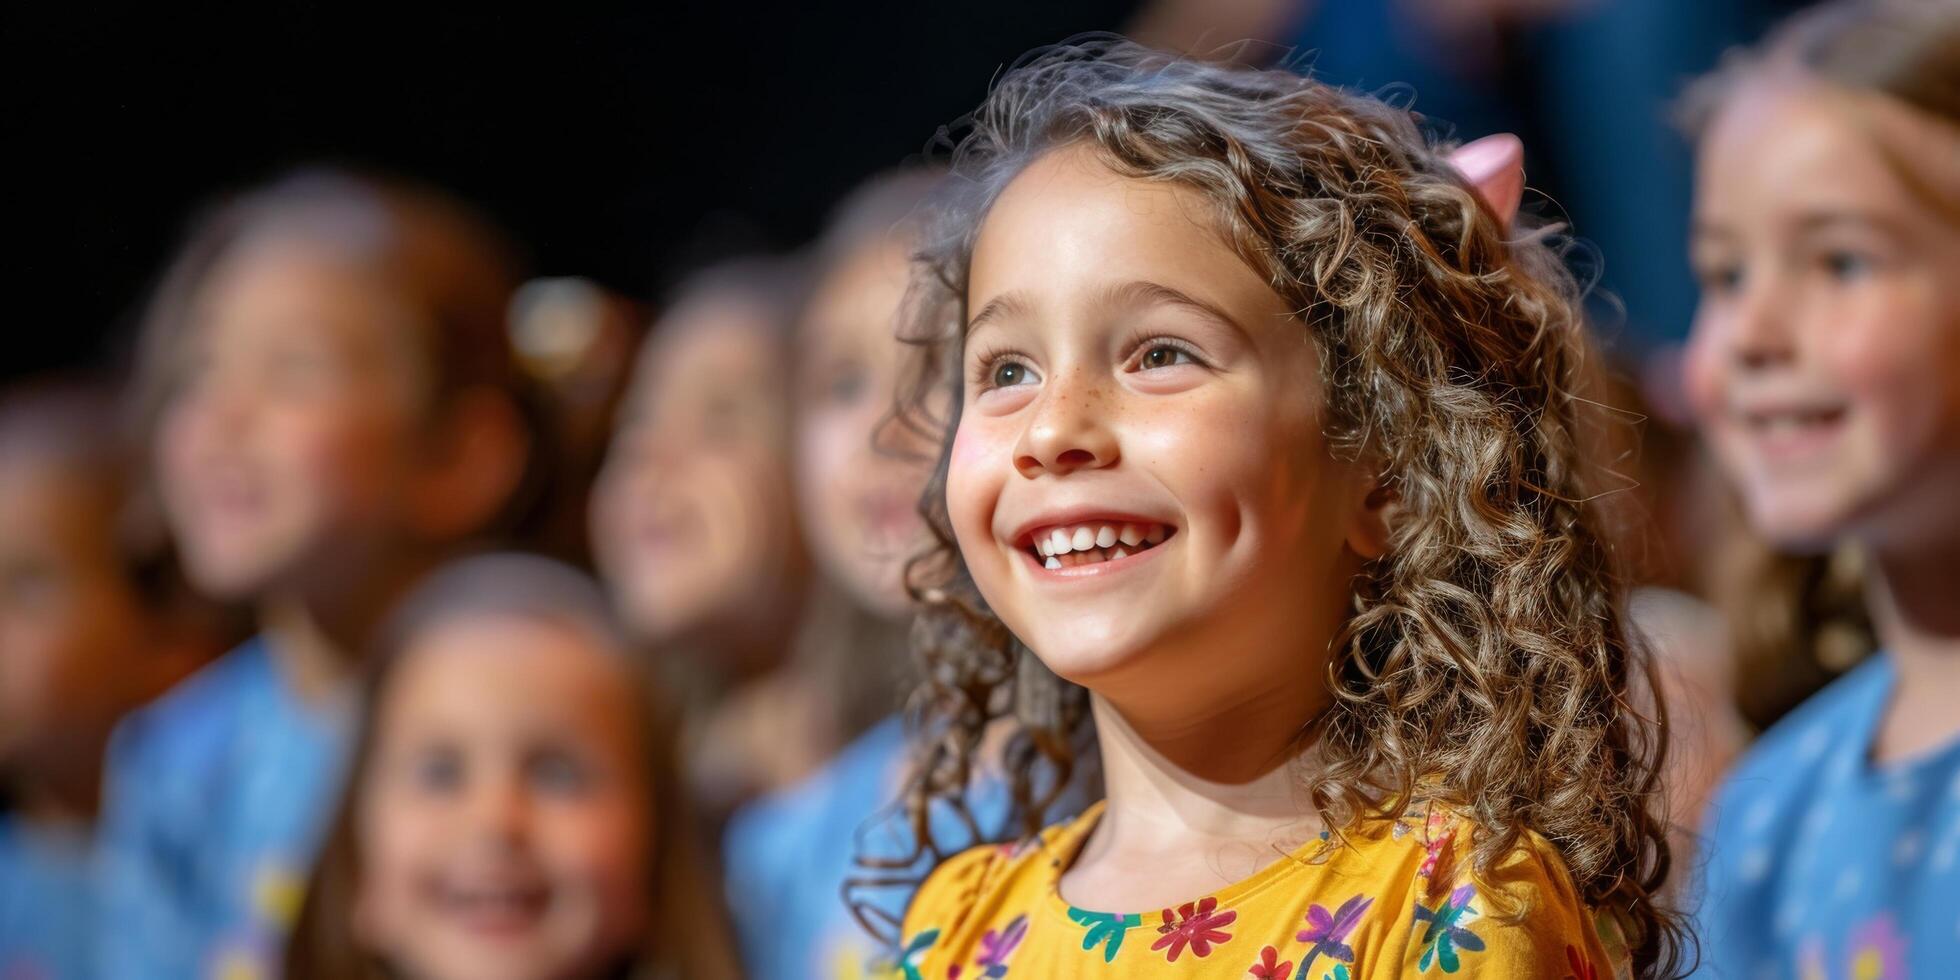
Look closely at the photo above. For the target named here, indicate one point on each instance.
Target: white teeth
(1060, 542)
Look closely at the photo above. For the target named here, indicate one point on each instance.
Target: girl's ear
(1494, 165)
(474, 461)
(1372, 520)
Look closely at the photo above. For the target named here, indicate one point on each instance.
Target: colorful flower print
(1446, 932)
(997, 946)
(1106, 929)
(1328, 932)
(1878, 952)
(1196, 924)
(908, 958)
(1270, 966)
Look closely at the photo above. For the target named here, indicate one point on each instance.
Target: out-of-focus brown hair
(1800, 620)
(1487, 662)
(687, 932)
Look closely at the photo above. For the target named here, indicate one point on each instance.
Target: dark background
(614, 144)
(630, 145)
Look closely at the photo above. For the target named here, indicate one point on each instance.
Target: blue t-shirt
(1820, 864)
(216, 798)
(46, 901)
(790, 854)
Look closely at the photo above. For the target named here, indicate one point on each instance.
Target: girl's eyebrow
(1704, 229)
(1143, 292)
(1134, 293)
(1005, 305)
(1816, 221)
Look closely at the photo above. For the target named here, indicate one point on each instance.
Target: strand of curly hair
(1486, 663)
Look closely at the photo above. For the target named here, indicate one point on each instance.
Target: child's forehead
(547, 662)
(294, 286)
(1071, 227)
(1784, 118)
(856, 302)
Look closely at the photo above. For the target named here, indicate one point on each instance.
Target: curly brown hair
(1486, 662)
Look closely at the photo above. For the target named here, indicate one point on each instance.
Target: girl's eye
(846, 388)
(558, 774)
(1010, 373)
(1719, 279)
(1846, 265)
(1165, 355)
(438, 771)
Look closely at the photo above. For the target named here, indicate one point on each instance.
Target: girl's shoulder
(1522, 916)
(993, 876)
(1385, 898)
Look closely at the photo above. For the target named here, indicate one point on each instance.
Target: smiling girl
(515, 809)
(1825, 367)
(1263, 487)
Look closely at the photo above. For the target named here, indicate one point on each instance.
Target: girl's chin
(1800, 526)
(1088, 662)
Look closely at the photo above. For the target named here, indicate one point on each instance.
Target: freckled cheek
(1211, 439)
(981, 460)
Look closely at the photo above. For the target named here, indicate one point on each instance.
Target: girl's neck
(1228, 774)
(1912, 596)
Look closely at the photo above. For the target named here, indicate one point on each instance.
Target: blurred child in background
(694, 527)
(514, 807)
(857, 487)
(335, 409)
(94, 621)
(1825, 368)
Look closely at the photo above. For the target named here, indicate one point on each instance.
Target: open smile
(1092, 547)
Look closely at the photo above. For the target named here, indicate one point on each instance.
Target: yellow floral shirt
(1395, 900)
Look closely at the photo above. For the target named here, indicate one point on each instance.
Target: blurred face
(505, 818)
(69, 623)
(859, 503)
(288, 440)
(1825, 360)
(1139, 484)
(691, 517)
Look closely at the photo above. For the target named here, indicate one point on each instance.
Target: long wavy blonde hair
(1486, 662)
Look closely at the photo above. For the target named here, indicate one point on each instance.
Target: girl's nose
(498, 809)
(1067, 431)
(1760, 334)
